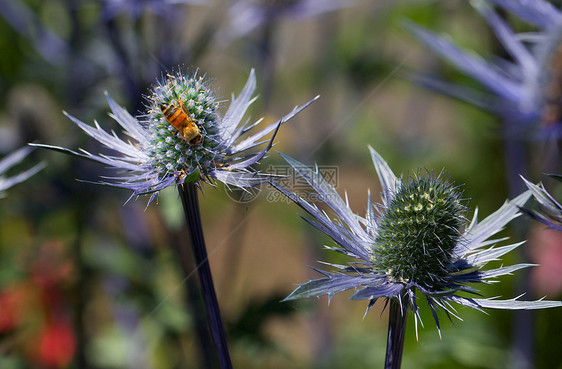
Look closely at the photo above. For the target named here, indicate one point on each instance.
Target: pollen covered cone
(418, 233)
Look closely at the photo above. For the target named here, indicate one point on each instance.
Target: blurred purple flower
(246, 15)
(13, 159)
(524, 90)
(136, 8)
(22, 19)
(413, 242)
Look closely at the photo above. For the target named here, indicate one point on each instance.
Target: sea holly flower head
(418, 241)
(526, 88)
(181, 138)
(11, 160)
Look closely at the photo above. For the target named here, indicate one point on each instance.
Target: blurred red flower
(34, 310)
(12, 302)
(546, 250)
(56, 344)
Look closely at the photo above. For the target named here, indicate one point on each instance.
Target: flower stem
(194, 299)
(188, 195)
(396, 332)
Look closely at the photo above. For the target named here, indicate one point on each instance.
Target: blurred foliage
(115, 296)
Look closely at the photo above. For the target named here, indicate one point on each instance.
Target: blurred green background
(87, 281)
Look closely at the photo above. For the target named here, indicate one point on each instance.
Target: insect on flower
(213, 144)
(180, 119)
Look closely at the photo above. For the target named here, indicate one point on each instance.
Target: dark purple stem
(189, 199)
(396, 332)
(523, 320)
(194, 300)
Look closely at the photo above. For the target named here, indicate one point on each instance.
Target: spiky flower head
(525, 89)
(11, 160)
(416, 240)
(190, 104)
(427, 216)
(182, 137)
